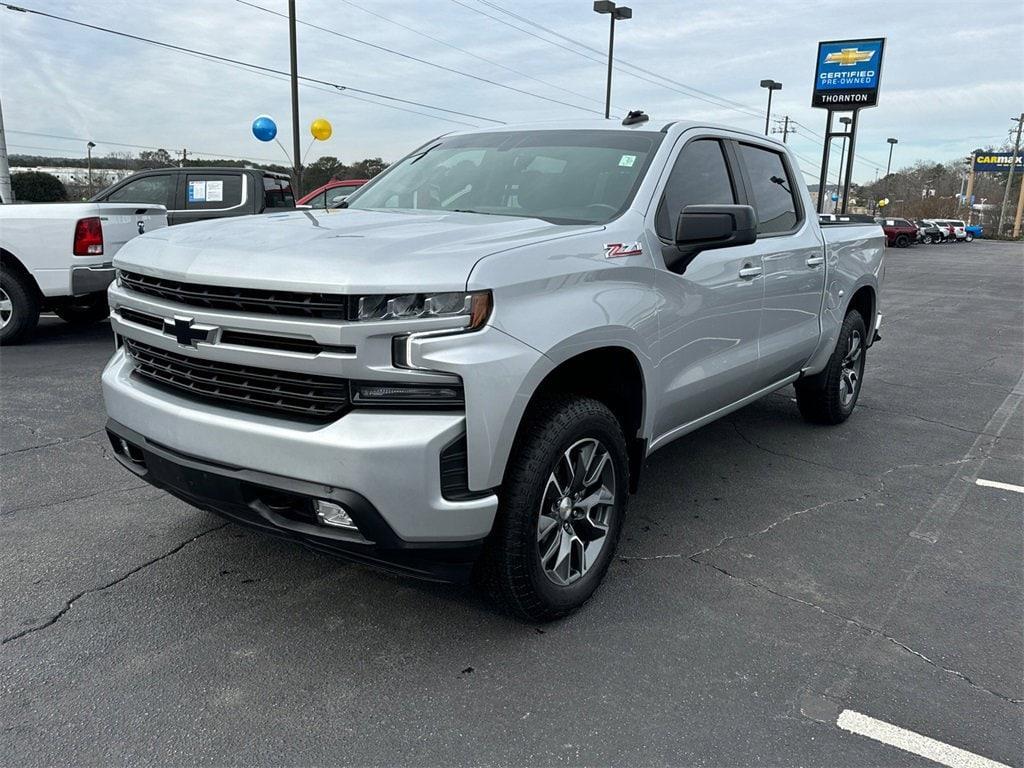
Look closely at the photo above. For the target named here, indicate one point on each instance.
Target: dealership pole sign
(848, 74)
(998, 162)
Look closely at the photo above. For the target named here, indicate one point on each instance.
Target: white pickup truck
(57, 257)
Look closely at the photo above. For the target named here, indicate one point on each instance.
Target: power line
(419, 60)
(476, 56)
(257, 67)
(137, 146)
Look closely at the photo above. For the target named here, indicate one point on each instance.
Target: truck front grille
(318, 398)
(267, 302)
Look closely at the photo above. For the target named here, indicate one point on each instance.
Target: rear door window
(278, 192)
(212, 191)
(700, 176)
(774, 193)
(154, 190)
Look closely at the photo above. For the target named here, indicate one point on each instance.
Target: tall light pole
(892, 143)
(842, 156)
(771, 85)
(88, 153)
(296, 159)
(617, 13)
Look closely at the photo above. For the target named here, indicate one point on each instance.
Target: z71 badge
(615, 250)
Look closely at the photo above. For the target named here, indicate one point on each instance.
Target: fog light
(335, 515)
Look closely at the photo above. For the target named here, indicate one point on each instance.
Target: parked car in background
(929, 232)
(474, 361)
(331, 194)
(973, 231)
(198, 194)
(945, 231)
(898, 232)
(958, 230)
(56, 257)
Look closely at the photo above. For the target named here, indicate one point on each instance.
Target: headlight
(475, 305)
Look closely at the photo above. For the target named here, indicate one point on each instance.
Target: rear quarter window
(278, 192)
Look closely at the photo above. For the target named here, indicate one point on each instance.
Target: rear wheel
(84, 310)
(902, 241)
(561, 509)
(829, 397)
(19, 307)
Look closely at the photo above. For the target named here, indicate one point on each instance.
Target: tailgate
(122, 222)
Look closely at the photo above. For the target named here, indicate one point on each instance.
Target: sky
(952, 78)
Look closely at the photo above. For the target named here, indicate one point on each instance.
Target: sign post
(846, 79)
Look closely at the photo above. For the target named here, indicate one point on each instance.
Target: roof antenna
(635, 116)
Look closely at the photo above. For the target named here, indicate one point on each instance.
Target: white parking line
(901, 738)
(997, 484)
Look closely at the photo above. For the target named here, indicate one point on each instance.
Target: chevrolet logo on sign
(849, 57)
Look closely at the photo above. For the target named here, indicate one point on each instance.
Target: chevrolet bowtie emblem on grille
(186, 332)
(849, 57)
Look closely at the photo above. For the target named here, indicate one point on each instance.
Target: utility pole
(296, 158)
(784, 129)
(1009, 176)
(970, 186)
(1020, 209)
(6, 195)
(88, 152)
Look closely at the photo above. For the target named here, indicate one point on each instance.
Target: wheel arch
(613, 374)
(8, 261)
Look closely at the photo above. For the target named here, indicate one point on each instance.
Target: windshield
(565, 177)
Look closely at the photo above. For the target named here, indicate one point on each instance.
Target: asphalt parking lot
(772, 575)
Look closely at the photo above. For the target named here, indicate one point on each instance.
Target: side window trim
(798, 200)
(732, 167)
(183, 183)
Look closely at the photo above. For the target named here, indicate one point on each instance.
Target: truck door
(792, 252)
(212, 196)
(712, 309)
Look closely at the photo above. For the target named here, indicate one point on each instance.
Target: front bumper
(282, 507)
(390, 458)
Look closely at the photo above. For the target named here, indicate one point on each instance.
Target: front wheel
(561, 509)
(969, 238)
(927, 240)
(829, 397)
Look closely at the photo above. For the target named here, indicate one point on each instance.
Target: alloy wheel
(6, 308)
(576, 511)
(853, 369)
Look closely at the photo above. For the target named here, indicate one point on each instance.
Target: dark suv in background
(197, 194)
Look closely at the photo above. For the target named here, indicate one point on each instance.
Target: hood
(343, 251)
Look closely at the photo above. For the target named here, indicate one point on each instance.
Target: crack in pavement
(59, 441)
(67, 605)
(755, 444)
(936, 421)
(58, 502)
(867, 628)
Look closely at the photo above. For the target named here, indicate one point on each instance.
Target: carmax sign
(848, 74)
(996, 162)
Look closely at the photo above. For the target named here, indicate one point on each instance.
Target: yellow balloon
(321, 129)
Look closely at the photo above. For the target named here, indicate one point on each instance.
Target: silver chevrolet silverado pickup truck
(463, 371)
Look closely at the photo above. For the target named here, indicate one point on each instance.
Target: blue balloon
(264, 128)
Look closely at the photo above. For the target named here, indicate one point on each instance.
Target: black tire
(969, 238)
(902, 241)
(18, 319)
(512, 567)
(927, 240)
(84, 310)
(826, 397)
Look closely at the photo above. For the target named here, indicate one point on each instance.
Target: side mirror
(705, 227)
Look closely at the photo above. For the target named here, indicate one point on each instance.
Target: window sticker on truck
(626, 161)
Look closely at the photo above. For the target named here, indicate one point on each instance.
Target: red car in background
(331, 193)
(898, 232)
